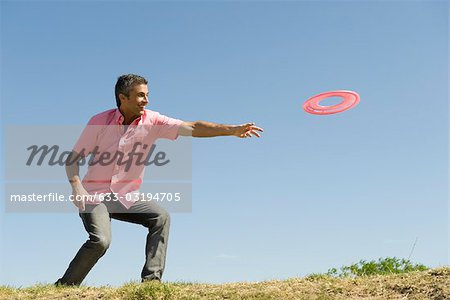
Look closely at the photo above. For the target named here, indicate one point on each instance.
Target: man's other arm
(73, 174)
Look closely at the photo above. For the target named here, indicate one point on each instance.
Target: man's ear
(122, 98)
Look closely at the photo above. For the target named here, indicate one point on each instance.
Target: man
(116, 131)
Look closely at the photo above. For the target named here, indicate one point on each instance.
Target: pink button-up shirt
(112, 168)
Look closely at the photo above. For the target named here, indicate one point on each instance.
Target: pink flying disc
(350, 99)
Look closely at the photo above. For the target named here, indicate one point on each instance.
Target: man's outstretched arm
(208, 129)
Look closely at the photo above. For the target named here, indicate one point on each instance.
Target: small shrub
(384, 266)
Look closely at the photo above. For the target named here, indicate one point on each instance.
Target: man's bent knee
(161, 220)
(100, 243)
(164, 218)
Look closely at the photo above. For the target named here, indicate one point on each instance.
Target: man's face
(134, 104)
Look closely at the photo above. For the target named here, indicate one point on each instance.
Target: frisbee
(349, 100)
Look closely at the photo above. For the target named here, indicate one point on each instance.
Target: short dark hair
(125, 83)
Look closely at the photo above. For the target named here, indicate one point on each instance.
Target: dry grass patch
(432, 284)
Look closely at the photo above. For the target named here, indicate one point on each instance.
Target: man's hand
(79, 193)
(247, 130)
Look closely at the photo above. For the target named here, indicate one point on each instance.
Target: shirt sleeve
(167, 128)
(88, 138)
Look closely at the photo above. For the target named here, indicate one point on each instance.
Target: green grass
(135, 291)
(384, 266)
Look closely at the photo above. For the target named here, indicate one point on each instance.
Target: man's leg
(157, 220)
(97, 222)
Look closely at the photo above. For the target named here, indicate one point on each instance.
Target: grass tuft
(384, 266)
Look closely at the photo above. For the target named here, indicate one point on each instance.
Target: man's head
(131, 95)
(125, 84)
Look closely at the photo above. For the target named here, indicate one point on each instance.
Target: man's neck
(127, 119)
(127, 122)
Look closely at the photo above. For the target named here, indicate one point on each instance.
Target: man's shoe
(60, 283)
(151, 280)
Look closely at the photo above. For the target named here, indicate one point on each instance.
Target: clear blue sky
(314, 192)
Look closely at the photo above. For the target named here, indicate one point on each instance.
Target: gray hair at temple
(125, 83)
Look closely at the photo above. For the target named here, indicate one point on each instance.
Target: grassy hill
(429, 284)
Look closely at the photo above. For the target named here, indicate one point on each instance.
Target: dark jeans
(97, 222)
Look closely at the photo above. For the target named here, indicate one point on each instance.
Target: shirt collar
(118, 118)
